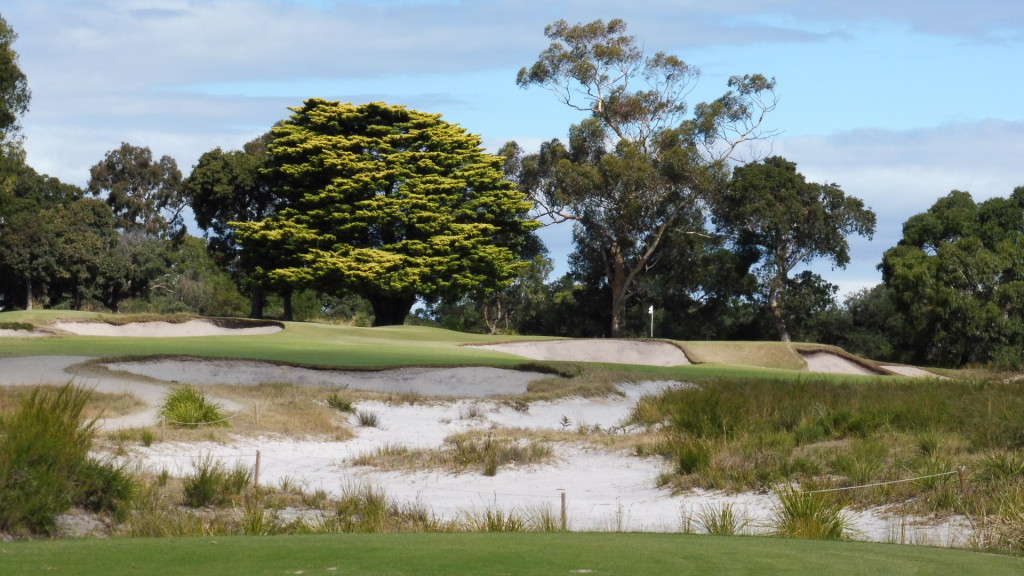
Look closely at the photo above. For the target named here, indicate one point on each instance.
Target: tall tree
(14, 92)
(227, 187)
(771, 207)
(957, 275)
(144, 193)
(640, 161)
(389, 203)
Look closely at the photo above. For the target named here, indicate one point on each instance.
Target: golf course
(416, 450)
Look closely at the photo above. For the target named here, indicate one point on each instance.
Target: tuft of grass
(187, 407)
(212, 482)
(722, 520)
(340, 403)
(368, 418)
(806, 515)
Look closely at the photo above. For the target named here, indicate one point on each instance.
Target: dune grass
(491, 553)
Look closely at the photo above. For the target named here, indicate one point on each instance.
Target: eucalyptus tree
(388, 203)
(144, 193)
(771, 208)
(14, 92)
(640, 160)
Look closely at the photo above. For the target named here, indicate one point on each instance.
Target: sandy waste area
(605, 489)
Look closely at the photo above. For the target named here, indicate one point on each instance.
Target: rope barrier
(882, 483)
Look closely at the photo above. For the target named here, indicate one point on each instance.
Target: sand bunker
(911, 371)
(830, 363)
(472, 382)
(637, 352)
(166, 329)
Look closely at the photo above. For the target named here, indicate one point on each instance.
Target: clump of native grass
(45, 463)
(893, 440)
(478, 451)
(810, 515)
(187, 407)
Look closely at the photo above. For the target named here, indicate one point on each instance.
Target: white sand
(637, 352)
(190, 328)
(911, 371)
(474, 381)
(829, 363)
(606, 488)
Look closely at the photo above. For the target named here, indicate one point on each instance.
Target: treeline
(364, 213)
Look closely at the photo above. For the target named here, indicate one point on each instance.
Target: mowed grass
(506, 553)
(299, 343)
(346, 346)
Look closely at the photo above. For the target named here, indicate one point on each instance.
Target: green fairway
(510, 553)
(346, 346)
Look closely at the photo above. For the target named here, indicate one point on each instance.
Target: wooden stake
(565, 520)
(256, 474)
(963, 483)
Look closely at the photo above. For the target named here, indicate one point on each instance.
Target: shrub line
(883, 483)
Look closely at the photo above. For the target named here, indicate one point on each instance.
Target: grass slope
(510, 553)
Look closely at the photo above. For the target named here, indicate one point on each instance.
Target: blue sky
(897, 101)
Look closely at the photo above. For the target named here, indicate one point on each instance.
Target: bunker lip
(162, 329)
(613, 351)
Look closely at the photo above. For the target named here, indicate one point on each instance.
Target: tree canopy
(640, 164)
(389, 203)
(958, 276)
(145, 194)
(227, 187)
(771, 207)
(14, 92)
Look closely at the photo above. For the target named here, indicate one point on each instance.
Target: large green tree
(958, 278)
(145, 194)
(14, 92)
(772, 208)
(227, 187)
(641, 161)
(388, 203)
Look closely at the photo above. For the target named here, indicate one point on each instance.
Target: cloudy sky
(897, 101)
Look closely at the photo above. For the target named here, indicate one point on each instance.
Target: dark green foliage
(771, 209)
(956, 279)
(44, 460)
(187, 407)
(14, 92)
(105, 487)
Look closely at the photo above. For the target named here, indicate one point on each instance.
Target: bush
(104, 486)
(187, 407)
(44, 448)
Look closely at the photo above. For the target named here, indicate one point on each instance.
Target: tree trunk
(286, 296)
(390, 310)
(776, 310)
(618, 286)
(29, 293)
(258, 300)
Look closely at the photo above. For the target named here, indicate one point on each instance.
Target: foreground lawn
(476, 554)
